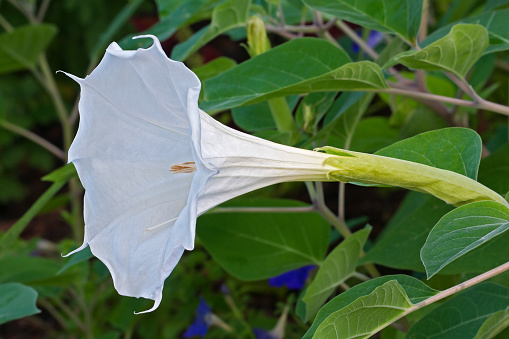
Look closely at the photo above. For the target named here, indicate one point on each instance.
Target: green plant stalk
(453, 188)
(13, 233)
(283, 116)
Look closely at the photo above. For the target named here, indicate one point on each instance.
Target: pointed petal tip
(72, 76)
(157, 301)
(82, 247)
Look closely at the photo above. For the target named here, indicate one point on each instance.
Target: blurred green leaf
(495, 324)
(337, 267)
(254, 246)
(400, 244)
(493, 170)
(462, 230)
(230, 14)
(214, 67)
(13, 233)
(173, 14)
(299, 66)
(416, 291)
(120, 19)
(454, 149)
(372, 134)
(63, 173)
(462, 316)
(401, 17)
(495, 22)
(253, 118)
(21, 48)
(83, 255)
(456, 52)
(17, 301)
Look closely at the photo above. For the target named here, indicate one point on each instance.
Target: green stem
(5, 24)
(283, 117)
(33, 137)
(52, 88)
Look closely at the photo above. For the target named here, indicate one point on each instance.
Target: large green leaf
(405, 234)
(366, 315)
(495, 324)
(416, 291)
(453, 149)
(495, 22)
(455, 53)
(402, 17)
(226, 16)
(339, 266)
(254, 246)
(373, 133)
(16, 301)
(295, 67)
(462, 230)
(461, 316)
(21, 48)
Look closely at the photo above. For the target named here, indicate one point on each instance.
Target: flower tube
(151, 162)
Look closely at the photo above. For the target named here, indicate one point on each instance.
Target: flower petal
(134, 127)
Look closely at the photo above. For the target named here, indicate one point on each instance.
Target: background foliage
(423, 81)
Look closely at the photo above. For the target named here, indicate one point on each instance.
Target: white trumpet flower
(151, 162)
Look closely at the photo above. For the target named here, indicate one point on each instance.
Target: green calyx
(453, 188)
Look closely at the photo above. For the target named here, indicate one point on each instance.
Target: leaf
(12, 234)
(366, 315)
(454, 149)
(416, 291)
(255, 246)
(120, 19)
(228, 15)
(339, 265)
(405, 234)
(83, 255)
(493, 170)
(214, 67)
(299, 66)
(17, 301)
(495, 22)
(253, 118)
(173, 14)
(372, 134)
(462, 230)
(455, 53)
(495, 324)
(21, 48)
(462, 315)
(62, 174)
(342, 119)
(401, 17)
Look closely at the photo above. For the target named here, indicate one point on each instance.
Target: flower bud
(256, 36)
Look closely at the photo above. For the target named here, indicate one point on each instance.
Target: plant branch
(42, 10)
(357, 39)
(5, 24)
(302, 209)
(482, 104)
(464, 285)
(34, 137)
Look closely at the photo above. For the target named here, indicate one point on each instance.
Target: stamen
(186, 167)
(162, 224)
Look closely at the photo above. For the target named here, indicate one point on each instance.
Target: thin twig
(357, 39)
(460, 287)
(302, 209)
(35, 138)
(5, 24)
(42, 10)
